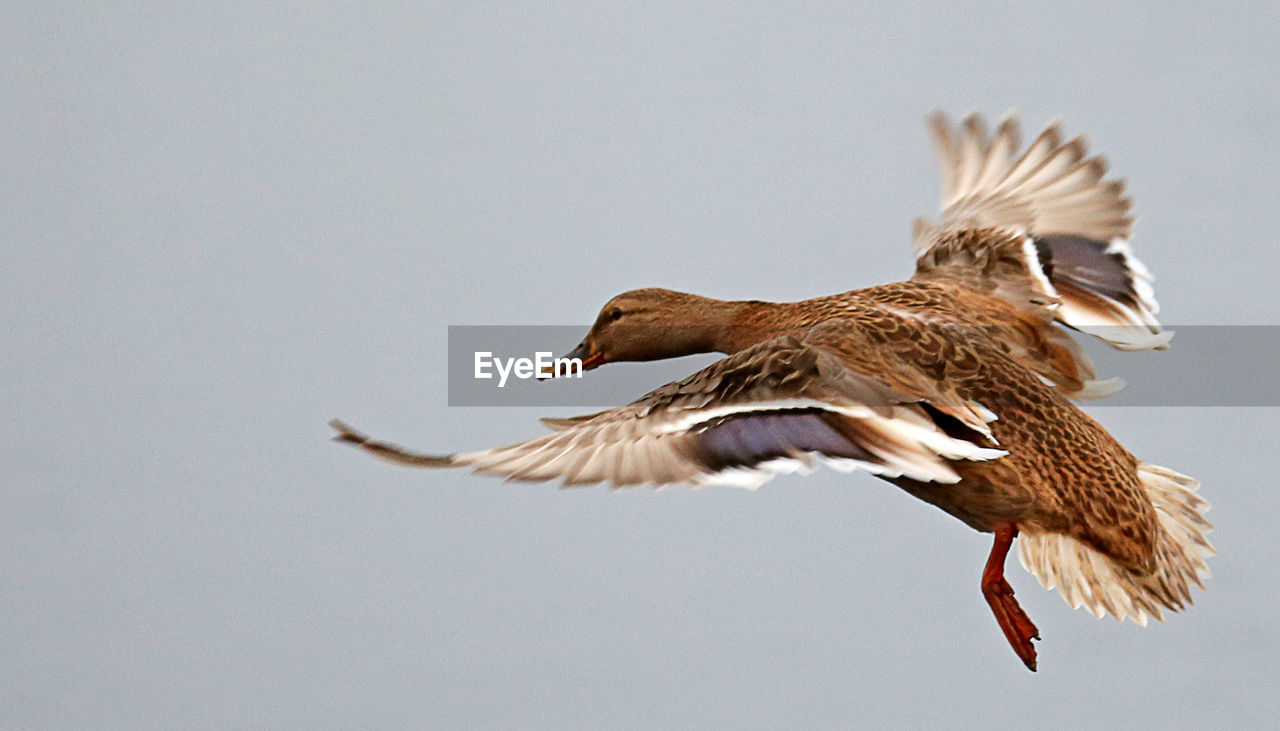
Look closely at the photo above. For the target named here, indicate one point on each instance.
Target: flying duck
(956, 385)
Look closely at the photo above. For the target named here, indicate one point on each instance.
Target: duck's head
(651, 324)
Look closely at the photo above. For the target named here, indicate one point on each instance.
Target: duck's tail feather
(1087, 578)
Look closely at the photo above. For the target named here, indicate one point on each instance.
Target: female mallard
(955, 386)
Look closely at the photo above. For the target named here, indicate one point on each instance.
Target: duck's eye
(615, 313)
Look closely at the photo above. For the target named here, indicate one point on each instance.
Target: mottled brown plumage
(956, 386)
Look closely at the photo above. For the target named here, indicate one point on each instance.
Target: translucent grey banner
(1206, 365)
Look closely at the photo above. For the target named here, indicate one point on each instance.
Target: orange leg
(1018, 629)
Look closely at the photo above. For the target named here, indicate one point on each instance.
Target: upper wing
(1058, 231)
(1052, 188)
(780, 406)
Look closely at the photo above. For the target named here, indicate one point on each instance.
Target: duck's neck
(735, 325)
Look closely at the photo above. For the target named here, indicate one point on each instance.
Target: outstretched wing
(1057, 229)
(780, 406)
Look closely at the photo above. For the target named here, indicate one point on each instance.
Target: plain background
(225, 225)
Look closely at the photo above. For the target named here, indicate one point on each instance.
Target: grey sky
(226, 225)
